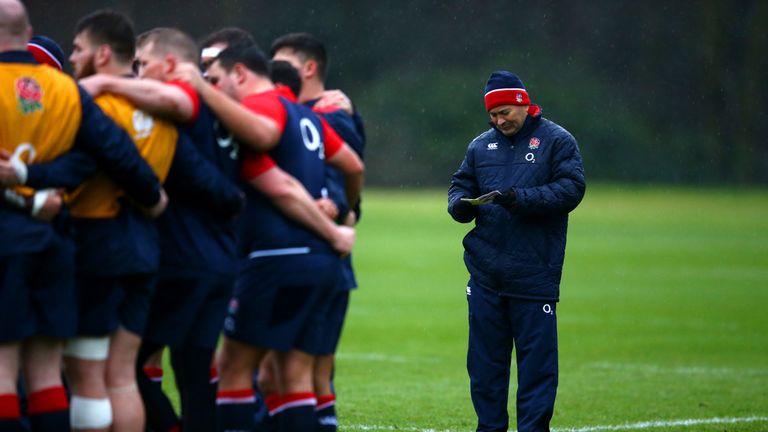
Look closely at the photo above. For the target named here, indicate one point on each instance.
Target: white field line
(665, 424)
(692, 370)
(621, 427)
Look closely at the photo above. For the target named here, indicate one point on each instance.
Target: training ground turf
(663, 319)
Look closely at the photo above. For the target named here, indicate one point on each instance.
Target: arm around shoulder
(349, 163)
(114, 152)
(293, 200)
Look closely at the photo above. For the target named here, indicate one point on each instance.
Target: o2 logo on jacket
(311, 137)
(142, 124)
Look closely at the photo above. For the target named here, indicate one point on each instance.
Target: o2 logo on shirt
(142, 124)
(311, 137)
(225, 140)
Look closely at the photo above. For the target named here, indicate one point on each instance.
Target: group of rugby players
(177, 196)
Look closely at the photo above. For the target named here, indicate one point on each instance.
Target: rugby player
(42, 118)
(198, 248)
(104, 43)
(275, 307)
(308, 55)
(216, 42)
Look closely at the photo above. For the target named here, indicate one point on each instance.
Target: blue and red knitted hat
(505, 88)
(46, 51)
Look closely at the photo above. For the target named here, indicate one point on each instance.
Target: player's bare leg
(9, 368)
(47, 404)
(323, 374)
(326, 399)
(268, 381)
(155, 360)
(85, 367)
(42, 363)
(295, 369)
(128, 409)
(268, 384)
(235, 399)
(237, 361)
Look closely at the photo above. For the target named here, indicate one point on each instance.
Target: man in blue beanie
(518, 181)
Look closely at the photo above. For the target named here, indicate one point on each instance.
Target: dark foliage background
(654, 91)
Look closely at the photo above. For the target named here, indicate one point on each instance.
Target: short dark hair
(307, 46)
(166, 40)
(248, 55)
(107, 27)
(229, 35)
(282, 72)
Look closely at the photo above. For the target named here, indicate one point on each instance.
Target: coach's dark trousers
(496, 325)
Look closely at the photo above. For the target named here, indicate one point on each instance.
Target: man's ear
(169, 64)
(310, 69)
(103, 55)
(241, 73)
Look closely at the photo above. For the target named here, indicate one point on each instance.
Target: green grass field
(663, 320)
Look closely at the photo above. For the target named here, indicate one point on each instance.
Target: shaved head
(14, 25)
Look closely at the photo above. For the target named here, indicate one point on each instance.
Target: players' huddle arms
(195, 197)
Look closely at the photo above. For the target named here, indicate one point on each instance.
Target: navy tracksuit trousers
(496, 325)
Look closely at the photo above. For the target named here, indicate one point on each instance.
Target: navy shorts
(189, 309)
(37, 293)
(334, 320)
(109, 302)
(281, 302)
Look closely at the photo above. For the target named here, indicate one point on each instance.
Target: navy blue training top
(305, 143)
(194, 234)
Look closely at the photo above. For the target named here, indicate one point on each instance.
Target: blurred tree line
(654, 91)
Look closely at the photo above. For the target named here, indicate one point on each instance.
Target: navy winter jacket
(519, 252)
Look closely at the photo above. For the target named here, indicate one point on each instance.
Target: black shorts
(37, 293)
(189, 308)
(281, 302)
(334, 320)
(109, 302)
